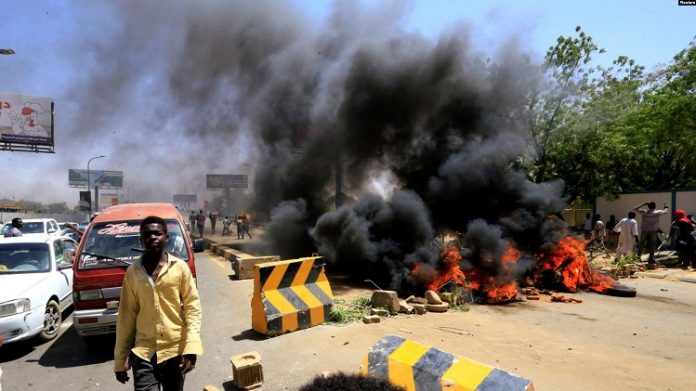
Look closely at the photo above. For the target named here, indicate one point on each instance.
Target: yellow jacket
(162, 316)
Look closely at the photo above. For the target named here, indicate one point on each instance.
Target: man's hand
(122, 376)
(188, 362)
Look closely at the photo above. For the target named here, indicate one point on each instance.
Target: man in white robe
(628, 235)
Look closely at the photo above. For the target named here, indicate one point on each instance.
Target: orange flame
(450, 270)
(500, 288)
(570, 260)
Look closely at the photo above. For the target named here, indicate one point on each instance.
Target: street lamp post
(89, 187)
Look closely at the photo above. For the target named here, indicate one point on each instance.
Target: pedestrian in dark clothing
(213, 216)
(239, 221)
(682, 231)
(649, 227)
(200, 222)
(192, 222)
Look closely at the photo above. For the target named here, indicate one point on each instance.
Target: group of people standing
(647, 238)
(241, 220)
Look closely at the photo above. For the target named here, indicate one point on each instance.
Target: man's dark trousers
(148, 375)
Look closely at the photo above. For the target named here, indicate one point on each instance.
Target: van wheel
(52, 320)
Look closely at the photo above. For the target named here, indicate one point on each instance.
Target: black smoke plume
(257, 83)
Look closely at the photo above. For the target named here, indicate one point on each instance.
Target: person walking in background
(649, 226)
(246, 225)
(226, 226)
(239, 221)
(599, 228)
(587, 228)
(627, 229)
(200, 222)
(192, 222)
(158, 330)
(682, 230)
(213, 216)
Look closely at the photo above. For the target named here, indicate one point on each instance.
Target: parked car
(109, 245)
(36, 279)
(36, 227)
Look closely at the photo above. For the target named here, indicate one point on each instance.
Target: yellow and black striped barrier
(418, 367)
(290, 295)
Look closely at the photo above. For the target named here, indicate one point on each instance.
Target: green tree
(666, 124)
(555, 99)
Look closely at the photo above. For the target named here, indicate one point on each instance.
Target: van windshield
(116, 244)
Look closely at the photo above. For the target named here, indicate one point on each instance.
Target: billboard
(103, 179)
(26, 120)
(223, 181)
(184, 198)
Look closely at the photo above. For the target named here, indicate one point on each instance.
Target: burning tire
(621, 291)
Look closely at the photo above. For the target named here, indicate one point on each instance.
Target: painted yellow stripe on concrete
(326, 288)
(275, 277)
(316, 308)
(280, 302)
(401, 363)
(289, 322)
(465, 375)
(303, 273)
(364, 366)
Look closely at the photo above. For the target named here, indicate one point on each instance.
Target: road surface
(604, 343)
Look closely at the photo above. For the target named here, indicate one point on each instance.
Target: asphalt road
(643, 343)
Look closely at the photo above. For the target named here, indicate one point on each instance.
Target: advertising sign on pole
(214, 181)
(26, 123)
(103, 179)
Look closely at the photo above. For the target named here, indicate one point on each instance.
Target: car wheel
(52, 321)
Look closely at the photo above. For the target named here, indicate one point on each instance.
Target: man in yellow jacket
(159, 316)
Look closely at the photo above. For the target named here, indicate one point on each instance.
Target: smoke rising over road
(205, 87)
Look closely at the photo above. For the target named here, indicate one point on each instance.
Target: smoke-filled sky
(171, 91)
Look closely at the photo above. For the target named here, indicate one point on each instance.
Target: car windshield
(24, 258)
(36, 227)
(116, 244)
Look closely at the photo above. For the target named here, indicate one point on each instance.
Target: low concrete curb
(654, 273)
(689, 277)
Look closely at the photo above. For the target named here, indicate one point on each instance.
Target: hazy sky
(110, 102)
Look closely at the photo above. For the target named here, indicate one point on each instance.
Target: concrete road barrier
(417, 367)
(290, 295)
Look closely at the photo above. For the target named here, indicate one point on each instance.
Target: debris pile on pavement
(547, 295)
(386, 303)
